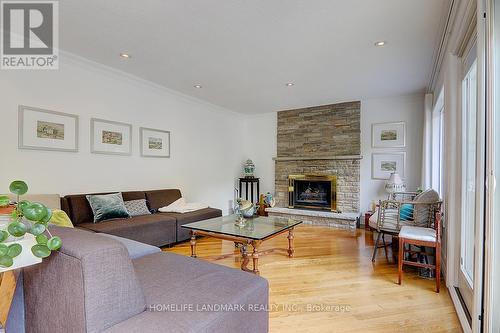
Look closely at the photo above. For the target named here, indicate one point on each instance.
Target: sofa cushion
(107, 206)
(196, 283)
(161, 198)
(90, 281)
(137, 207)
(184, 218)
(135, 249)
(155, 229)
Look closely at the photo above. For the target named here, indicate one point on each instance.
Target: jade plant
(26, 217)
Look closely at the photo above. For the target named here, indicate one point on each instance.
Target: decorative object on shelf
(154, 143)
(389, 135)
(246, 208)
(395, 184)
(265, 201)
(47, 130)
(249, 169)
(26, 217)
(384, 164)
(110, 137)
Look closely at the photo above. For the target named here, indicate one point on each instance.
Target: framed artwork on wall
(383, 164)
(389, 135)
(154, 143)
(47, 130)
(110, 137)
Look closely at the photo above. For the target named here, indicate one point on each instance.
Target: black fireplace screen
(312, 193)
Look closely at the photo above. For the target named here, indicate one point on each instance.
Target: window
(437, 144)
(469, 115)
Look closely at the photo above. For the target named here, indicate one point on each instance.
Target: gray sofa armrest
(87, 286)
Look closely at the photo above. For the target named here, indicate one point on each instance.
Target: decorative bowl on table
(246, 208)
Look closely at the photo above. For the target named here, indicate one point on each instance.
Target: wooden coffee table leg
(245, 259)
(255, 257)
(193, 245)
(290, 237)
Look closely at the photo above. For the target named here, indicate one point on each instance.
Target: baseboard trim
(462, 316)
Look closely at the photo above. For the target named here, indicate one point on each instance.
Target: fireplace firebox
(312, 191)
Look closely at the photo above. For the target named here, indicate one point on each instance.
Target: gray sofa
(92, 285)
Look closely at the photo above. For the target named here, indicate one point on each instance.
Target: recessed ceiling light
(289, 84)
(125, 55)
(380, 43)
(198, 86)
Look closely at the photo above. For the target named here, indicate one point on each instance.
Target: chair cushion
(390, 221)
(155, 229)
(195, 216)
(418, 233)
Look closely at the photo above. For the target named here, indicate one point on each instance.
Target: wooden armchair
(402, 209)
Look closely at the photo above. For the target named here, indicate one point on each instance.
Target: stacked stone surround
(322, 140)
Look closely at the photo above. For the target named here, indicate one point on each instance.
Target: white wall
(403, 108)
(261, 131)
(260, 143)
(206, 155)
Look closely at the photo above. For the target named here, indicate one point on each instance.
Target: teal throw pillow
(406, 212)
(107, 206)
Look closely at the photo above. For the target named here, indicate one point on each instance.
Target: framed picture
(154, 143)
(110, 137)
(389, 135)
(383, 164)
(47, 130)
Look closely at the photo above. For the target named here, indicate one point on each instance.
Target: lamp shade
(26, 258)
(395, 184)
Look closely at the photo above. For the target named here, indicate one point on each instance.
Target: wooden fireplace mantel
(310, 158)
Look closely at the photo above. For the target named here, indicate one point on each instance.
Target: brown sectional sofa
(157, 229)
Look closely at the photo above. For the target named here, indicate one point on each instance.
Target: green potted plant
(25, 217)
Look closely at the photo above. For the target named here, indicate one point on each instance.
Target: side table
(250, 182)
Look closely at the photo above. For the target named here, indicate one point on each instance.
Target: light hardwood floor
(333, 268)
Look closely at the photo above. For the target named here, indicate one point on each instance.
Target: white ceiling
(244, 51)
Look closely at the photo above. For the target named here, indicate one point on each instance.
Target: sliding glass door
(469, 157)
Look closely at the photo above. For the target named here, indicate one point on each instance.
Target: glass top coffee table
(255, 231)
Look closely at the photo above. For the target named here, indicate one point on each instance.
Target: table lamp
(395, 184)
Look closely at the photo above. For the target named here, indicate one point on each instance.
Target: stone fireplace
(323, 143)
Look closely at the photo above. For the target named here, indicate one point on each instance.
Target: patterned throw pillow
(107, 206)
(137, 207)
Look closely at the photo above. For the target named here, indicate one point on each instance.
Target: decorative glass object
(395, 184)
(248, 169)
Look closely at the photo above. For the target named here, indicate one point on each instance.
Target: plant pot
(7, 210)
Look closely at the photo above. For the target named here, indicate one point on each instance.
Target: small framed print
(47, 130)
(154, 143)
(383, 164)
(110, 137)
(389, 135)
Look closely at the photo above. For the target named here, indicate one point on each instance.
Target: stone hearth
(317, 217)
